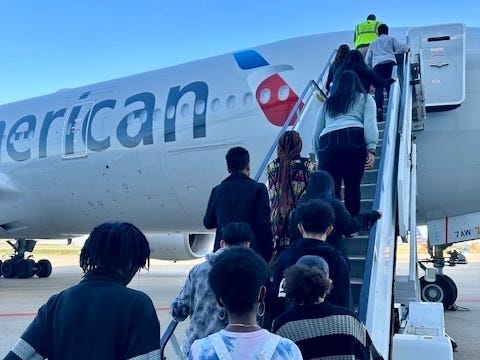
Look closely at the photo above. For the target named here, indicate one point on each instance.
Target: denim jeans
(343, 154)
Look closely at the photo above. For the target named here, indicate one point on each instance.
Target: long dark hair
(320, 186)
(341, 54)
(355, 62)
(347, 89)
(289, 148)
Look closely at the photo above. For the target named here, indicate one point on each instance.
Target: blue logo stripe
(249, 59)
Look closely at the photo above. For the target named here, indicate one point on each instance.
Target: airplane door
(207, 163)
(74, 143)
(442, 58)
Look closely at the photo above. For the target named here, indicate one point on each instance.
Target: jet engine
(177, 246)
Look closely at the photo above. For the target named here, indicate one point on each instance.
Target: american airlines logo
(274, 96)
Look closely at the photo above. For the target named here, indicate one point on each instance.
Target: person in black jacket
(321, 186)
(316, 219)
(241, 199)
(99, 318)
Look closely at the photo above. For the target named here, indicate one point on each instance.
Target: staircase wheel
(44, 268)
(441, 290)
(8, 269)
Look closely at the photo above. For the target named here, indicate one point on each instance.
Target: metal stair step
(366, 205)
(370, 176)
(357, 266)
(357, 246)
(367, 190)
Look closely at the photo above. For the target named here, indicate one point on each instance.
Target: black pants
(383, 70)
(343, 154)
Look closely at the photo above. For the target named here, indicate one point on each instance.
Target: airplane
(148, 148)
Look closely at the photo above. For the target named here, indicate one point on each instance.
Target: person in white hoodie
(381, 58)
(196, 298)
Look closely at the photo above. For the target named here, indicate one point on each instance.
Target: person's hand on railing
(370, 161)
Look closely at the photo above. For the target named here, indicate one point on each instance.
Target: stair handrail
(167, 336)
(376, 292)
(322, 79)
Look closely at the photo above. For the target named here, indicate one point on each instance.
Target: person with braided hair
(99, 318)
(288, 176)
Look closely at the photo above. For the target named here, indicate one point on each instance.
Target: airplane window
(231, 102)
(170, 112)
(184, 110)
(130, 119)
(283, 92)
(215, 105)
(143, 116)
(265, 96)
(157, 113)
(248, 99)
(199, 107)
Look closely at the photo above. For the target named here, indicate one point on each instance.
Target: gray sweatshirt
(362, 114)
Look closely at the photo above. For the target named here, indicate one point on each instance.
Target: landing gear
(440, 287)
(21, 266)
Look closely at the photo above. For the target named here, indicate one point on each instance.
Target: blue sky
(46, 45)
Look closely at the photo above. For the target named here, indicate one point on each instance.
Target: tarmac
(20, 298)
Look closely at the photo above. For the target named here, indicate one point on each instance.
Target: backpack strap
(269, 347)
(219, 346)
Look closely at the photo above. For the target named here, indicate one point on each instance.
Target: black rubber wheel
(441, 290)
(8, 269)
(44, 268)
(454, 287)
(24, 268)
(1, 267)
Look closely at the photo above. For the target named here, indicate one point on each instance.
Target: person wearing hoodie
(197, 300)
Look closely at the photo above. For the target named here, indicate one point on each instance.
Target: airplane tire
(1, 267)
(441, 290)
(8, 269)
(24, 268)
(44, 268)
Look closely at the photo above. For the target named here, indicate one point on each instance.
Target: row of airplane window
(215, 105)
(231, 102)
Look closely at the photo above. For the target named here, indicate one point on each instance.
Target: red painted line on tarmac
(162, 308)
(17, 314)
(468, 300)
(20, 314)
